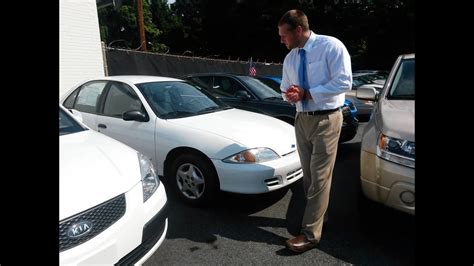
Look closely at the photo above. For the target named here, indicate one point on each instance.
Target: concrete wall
(80, 49)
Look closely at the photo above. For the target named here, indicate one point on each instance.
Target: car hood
(249, 129)
(396, 118)
(93, 169)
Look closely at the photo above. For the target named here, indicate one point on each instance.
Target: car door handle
(102, 126)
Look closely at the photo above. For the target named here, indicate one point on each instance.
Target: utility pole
(141, 25)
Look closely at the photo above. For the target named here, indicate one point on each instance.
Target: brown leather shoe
(299, 244)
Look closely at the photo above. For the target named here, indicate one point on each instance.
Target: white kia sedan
(112, 207)
(198, 143)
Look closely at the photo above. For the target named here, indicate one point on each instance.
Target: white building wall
(80, 52)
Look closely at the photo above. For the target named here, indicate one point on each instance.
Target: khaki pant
(317, 139)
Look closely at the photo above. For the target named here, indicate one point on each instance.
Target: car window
(403, 86)
(120, 99)
(203, 81)
(67, 124)
(262, 90)
(89, 95)
(69, 102)
(225, 87)
(174, 99)
(271, 83)
(367, 78)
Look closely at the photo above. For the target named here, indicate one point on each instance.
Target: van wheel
(194, 179)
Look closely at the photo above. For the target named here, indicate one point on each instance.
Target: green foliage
(374, 31)
(120, 27)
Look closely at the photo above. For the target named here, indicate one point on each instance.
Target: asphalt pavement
(252, 229)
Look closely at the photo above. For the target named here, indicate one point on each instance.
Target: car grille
(294, 174)
(278, 180)
(99, 218)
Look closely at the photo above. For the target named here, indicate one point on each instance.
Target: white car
(198, 143)
(112, 206)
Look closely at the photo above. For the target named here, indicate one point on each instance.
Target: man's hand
(294, 93)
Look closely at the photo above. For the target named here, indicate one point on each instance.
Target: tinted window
(120, 99)
(225, 87)
(89, 96)
(67, 124)
(262, 90)
(271, 83)
(203, 81)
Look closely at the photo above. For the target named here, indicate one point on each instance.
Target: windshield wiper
(177, 113)
(274, 98)
(207, 109)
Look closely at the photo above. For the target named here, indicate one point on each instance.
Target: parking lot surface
(252, 229)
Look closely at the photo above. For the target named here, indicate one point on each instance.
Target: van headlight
(396, 150)
(256, 155)
(150, 180)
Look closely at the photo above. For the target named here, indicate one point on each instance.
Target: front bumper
(388, 183)
(259, 178)
(129, 235)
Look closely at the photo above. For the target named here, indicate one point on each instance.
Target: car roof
(214, 74)
(136, 79)
(408, 56)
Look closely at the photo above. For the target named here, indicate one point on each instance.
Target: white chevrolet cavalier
(198, 143)
(112, 205)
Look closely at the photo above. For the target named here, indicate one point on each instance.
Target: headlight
(396, 150)
(150, 180)
(256, 155)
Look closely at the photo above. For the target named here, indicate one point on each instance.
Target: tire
(194, 179)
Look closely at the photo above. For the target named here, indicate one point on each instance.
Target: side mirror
(243, 95)
(135, 115)
(367, 92)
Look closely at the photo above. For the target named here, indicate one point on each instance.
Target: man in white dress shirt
(316, 74)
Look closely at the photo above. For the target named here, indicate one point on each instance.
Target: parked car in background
(251, 94)
(387, 161)
(374, 78)
(112, 205)
(275, 82)
(198, 143)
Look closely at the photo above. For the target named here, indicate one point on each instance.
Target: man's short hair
(295, 18)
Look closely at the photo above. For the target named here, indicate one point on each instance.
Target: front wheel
(194, 179)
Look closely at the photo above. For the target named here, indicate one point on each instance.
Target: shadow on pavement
(358, 231)
(229, 216)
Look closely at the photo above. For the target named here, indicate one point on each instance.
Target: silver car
(387, 161)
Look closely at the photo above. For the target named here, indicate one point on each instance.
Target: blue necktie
(302, 74)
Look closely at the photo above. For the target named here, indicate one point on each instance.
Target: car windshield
(175, 99)
(403, 86)
(262, 90)
(360, 79)
(67, 124)
(271, 83)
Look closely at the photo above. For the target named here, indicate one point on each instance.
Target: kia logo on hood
(79, 229)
